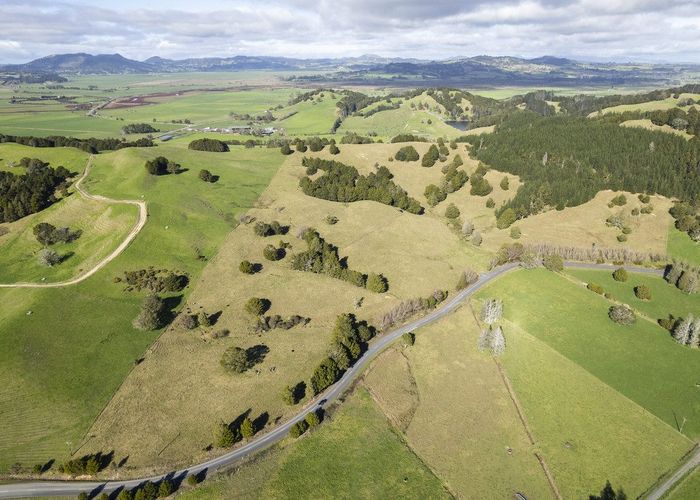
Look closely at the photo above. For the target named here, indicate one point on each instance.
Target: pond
(459, 125)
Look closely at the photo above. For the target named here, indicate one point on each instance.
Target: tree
(48, 258)
(206, 175)
(506, 218)
(247, 428)
(271, 252)
(193, 479)
(297, 429)
(491, 311)
(688, 282)
(325, 375)
(312, 419)
(467, 278)
(246, 267)
(431, 156)
(235, 360)
(203, 319)
(407, 153)
(376, 283)
(285, 149)
(515, 232)
(505, 184)
(452, 212)
(620, 274)
(682, 331)
(476, 238)
(223, 436)
(622, 314)
(498, 341)
(553, 262)
(257, 306)
(694, 339)
(643, 292)
(467, 228)
(333, 149)
(165, 488)
(608, 493)
(152, 315)
(409, 338)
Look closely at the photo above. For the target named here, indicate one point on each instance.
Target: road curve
(73, 488)
(140, 223)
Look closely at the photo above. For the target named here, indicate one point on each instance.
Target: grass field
(354, 455)
(681, 247)
(368, 233)
(456, 413)
(663, 104)
(688, 488)
(665, 298)
(647, 124)
(60, 365)
(641, 362)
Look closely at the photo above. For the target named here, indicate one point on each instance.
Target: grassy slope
(462, 421)
(680, 246)
(62, 363)
(354, 455)
(586, 431)
(665, 298)
(641, 362)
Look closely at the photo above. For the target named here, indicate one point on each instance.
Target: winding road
(73, 488)
(140, 223)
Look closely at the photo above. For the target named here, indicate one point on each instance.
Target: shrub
(620, 274)
(622, 315)
(490, 203)
(506, 218)
(505, 184)
(619, 200)
(257, 306)
(285, 150)
(467, 228)
(476, 238)
(212, 145)
(643, 292)
(297, 429)
(235, 360)
(644, 198)
(409, 338)
(273, 228)
(407, 153)
(626, 230)
(206, 175)
(246, 267)
(622, 238)
(452, 212)
(271, 252)
(594, 287)
(515, 232)
(224, 436)
(193, 479)
(312, 419)
(468, 277)
(553, 262)
(247, 428)
(480, 186)
(188, 321)
(376, 283)
(331, 220)
(333, 149)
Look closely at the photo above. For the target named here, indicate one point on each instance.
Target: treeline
(31, 192)
(91, 145)
(411, 307)
(343, 183)
(323, 258)
(564, 161)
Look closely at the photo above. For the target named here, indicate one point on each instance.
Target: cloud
(585, 29)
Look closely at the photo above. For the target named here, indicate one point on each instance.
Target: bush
(211, 145)
(490, 203)
(160, 165)
(312, 419)
(247, 428)
(467, 278)
(452, 212)
(407, 153)
(480, 186)
(506, 218)
(257, 306)
(553, 262)
(333, 149)
(298, 429)
(476, 238)
(515, 232)
(409, 338)
(644, 198)
(193, 479)
(285, 149)
(206, 175)
(246, 267)
(622, 315)
(47, 234)
(622, 238)
(619, 200)
(642, 292)
(620, 274)
(331, 220)
(235, 360)
(594, 287)
(376, 283)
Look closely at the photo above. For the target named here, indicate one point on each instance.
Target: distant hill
(476, 71)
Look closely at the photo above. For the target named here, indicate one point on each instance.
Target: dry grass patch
(647, 124)
(167, 407)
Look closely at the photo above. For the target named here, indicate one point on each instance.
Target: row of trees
(207, 144)
(492, 338)
(322, 258)
(407, 308)
(139, 128)
(687, 331)
(685, 278)
(31, 192)
(154, 280)
(91, 145)
(343, 183)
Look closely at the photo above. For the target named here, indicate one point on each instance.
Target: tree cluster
(211, 145)
(31, 192)
(343, 183)
(684, 277)
(160, 165)
(154, 280)
(154, 314)
(48, 234)
(407, 153)
(453, 180)
(139, 128)
(410, 307)
(687, 331)
(87, 464)
(687, 217)
(271, 229)
(91, 145)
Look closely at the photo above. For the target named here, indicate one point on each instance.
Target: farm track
(330, 395)
(140, 223)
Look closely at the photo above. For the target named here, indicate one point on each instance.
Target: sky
(592, 30)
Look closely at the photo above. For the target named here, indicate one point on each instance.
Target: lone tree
(257, 306)
(498, 342)
(285, 149)
(152, 315)
(407, 153)
(206, 175)
(452, 212)
(376, 283)
(491, 311)
(235, 360)
(622, 315)
(620, 274)
(608, 493)
(246, 267)
(642, 292)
